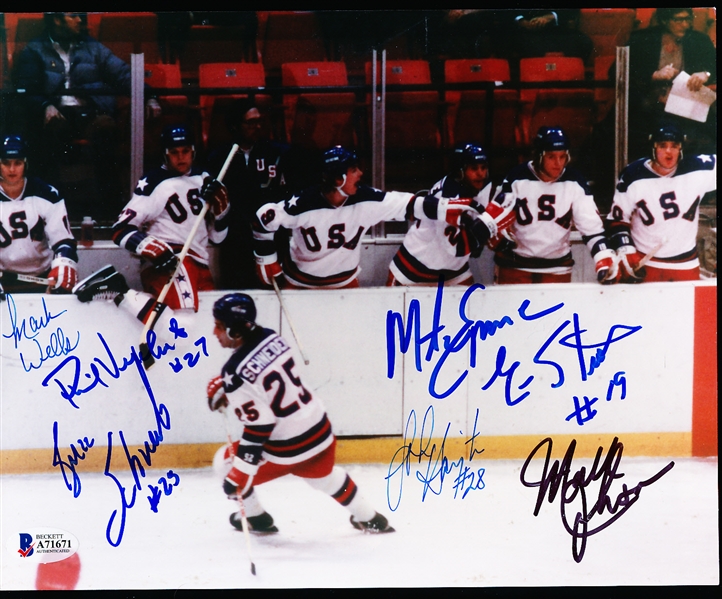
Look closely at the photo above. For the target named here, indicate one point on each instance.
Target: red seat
(175, 108)
(214, 107)
(214, 43)
(412, 117)
(318, 120)
(130, 33)
(643, 17)
(290, 35)
(607, 28)
(571, 109)
(466, 110)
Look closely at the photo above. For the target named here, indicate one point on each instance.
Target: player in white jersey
(35, 236)
(160, 216)
(433, 248)
(285, 426)
(549, 198)
(327, 222)
(656, 210)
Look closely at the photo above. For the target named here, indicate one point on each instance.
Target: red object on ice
(58, 576)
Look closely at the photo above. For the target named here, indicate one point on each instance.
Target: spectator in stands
(63, 58)
(656, 56)
(258, 175)
(537, 32)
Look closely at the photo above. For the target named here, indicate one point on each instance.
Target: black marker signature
(573, 487)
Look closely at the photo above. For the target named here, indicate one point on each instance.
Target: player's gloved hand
(215, 194)
(63, 275)
(629, 268)
(451, 209)
(503, 242)
(217, 399)
(606, 265)
(158, 253)
(268, 269)
(240, 477)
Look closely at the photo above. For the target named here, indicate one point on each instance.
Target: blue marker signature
(73, 458)
(506, 368)
(115, 529)
(28, 329)
(438, 466)
(72, 367)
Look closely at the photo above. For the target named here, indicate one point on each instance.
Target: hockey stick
(650, 255)
(242, 507)
(290, 322)
(145, 353)
(15, 276)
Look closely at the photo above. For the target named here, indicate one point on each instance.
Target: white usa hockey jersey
(434, 247)
(545, 213)
(662, 212)
(165, 205)
(33, 229)
(325, 244)
(283, 422)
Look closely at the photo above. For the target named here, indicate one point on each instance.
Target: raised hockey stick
(290, 322)
(242, 507)
(145, 353)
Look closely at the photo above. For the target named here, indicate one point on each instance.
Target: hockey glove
(217, 399)
(268, 269)
(240, 478)
(451, 209)
(629, 269)
(63, 275)
(158, 253)
(215, 194)
(606, 264)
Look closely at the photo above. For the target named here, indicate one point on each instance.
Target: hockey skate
(377, 525)
(106, 283)
(260, 525)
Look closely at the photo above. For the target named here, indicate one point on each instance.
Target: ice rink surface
(490, 538)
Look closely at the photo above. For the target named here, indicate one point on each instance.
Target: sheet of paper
(689, 104)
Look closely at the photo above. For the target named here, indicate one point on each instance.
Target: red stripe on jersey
(313, 437)
(257, 434)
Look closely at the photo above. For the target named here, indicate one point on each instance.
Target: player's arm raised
(265, 225)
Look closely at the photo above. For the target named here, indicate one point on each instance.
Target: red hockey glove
(629, 269)
(268, 269)
(216, 195)
(158, 253)
(217, 399)
(240, 478)
(606, 264)
(63, 275)
(451, 209)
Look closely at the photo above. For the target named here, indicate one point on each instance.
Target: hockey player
(160, 216)
(35, 237)
(285, 426)
(549, 198)
(656, 210)
(436, 248)
(327, 221)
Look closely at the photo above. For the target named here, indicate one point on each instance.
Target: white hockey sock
(252, 504)
(140, 304)
(343, 489)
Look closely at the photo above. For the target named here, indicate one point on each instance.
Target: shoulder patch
(39, 188)
(702, 162)
(150, 180)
